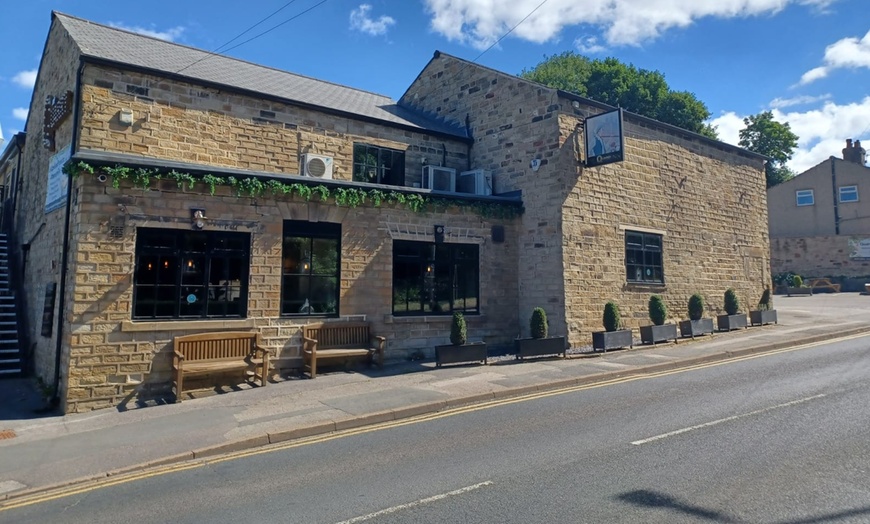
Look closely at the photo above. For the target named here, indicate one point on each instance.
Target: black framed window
(378, 165)
(310, 269)
(435, 279)
(190, 274)
(643, 257)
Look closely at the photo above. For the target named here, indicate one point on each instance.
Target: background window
(643, 257)
(310, 271)
(378, 165)
(435, 279)
(848, 193)
(804, 197)
(190, 274)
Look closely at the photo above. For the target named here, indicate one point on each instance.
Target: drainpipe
(55, 401)
(836, 205)
(468, 145)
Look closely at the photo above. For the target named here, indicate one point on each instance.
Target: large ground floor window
(310, 271)
(190, 274)
(433, 279)
(643, 257)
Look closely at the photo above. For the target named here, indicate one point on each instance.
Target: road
(782, 438)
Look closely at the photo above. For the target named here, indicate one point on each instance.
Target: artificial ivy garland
(251, 186)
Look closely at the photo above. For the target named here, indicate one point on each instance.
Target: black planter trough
(696, 328)
(731, 322)
(762, 317)
(653, 334)
(605, 340)
(538, 347)
(451, 354)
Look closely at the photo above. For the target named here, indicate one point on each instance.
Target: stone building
(208, 193)
(819, 225)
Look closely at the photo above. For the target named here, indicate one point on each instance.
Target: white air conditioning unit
(317, 166)
(439, 178)
(477, 182)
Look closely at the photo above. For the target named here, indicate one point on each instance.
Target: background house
(820, 220)
(209, 193)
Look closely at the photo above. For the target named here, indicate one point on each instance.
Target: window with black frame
(190, 274)
(378, 165)
(310, 269)
(435, 279)
(643, 257)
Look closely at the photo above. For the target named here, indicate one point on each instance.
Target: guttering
(55, 401)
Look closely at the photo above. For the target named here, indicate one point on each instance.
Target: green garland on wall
(143, 178)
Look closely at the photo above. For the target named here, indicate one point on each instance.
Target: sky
(807, 61)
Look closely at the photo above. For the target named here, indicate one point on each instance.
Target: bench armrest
(378, 342)
(178, 354)
(309, 345)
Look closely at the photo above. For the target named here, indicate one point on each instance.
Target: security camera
(102, 178)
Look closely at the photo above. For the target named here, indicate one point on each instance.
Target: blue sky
(806, 60)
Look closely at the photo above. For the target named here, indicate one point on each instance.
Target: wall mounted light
(198, 218)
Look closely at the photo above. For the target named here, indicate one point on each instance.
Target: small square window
(848, 193)
(805, 197)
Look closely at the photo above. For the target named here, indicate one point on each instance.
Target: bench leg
(179, 377)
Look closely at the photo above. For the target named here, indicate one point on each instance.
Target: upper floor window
(378, 165)
(848, 193)
(643, 257)
(310, 269)
(433, 279)
(190, 274)
(804, 197)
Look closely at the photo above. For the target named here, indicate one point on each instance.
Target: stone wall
(826, 256)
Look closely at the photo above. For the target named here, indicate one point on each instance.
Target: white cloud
(170, 35)
(361, 21)
(622, 22)
(20, 113)
(26, 79)
(848, 53)
(779, 103)
(1, 135)
(589, 45)
(822, 131)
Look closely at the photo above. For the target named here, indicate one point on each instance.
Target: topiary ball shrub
(732, 304)
(797, 281)
(696, 307)
(766, 302)
(538, 323)
(658, 311)
(612, 319)
(458, 330)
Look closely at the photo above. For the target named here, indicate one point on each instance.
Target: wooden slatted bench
(342, 341)
(823, 283)
(220, 352)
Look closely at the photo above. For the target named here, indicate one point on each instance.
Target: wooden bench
(342, 341)
(823, 283)
(220, 352)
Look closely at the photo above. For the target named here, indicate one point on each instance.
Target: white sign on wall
(55, 195)
(859, 249)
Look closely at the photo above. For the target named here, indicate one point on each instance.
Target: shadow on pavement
(21, 399)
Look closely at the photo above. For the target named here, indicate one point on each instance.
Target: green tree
(612, 82)
(766, 136)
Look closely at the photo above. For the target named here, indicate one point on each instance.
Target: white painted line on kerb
(728, 419)
(420, 502)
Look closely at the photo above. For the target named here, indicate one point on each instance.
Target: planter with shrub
(459, 350)
(797, 287)
(697, 325)
(765, 314)
(612, 337)
(733, 319)
(539, 344)
(659, 331)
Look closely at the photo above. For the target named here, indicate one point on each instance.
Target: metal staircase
(10, 349)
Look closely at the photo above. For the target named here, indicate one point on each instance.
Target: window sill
(641, 286)
(129, 326)
(427, 319)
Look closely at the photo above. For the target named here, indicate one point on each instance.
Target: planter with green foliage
(539, 344)
(765, 314)
(612, 337)
(658, 331)
(696, 325)
(797, 287)
(733, 319)
(459, 350)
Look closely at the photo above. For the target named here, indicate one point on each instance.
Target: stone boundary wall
(825, 256)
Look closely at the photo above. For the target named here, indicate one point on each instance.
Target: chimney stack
(854, 153)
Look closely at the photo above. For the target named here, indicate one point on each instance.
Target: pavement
(41, 452)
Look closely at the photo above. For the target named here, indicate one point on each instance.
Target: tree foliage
(612, 82)
(766, 136)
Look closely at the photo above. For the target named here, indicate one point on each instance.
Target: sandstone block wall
(823, 256)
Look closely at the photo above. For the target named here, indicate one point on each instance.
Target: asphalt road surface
(782, 438)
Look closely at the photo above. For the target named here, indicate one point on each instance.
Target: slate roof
(143, 52)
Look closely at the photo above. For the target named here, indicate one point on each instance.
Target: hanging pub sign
(604, 139)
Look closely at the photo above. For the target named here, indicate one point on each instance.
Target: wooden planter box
(762, 317)
(695, 328)
(653, 334)
(537, 347)
(605, 340)
(799, 291)
(731, 322)
(451, 354)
